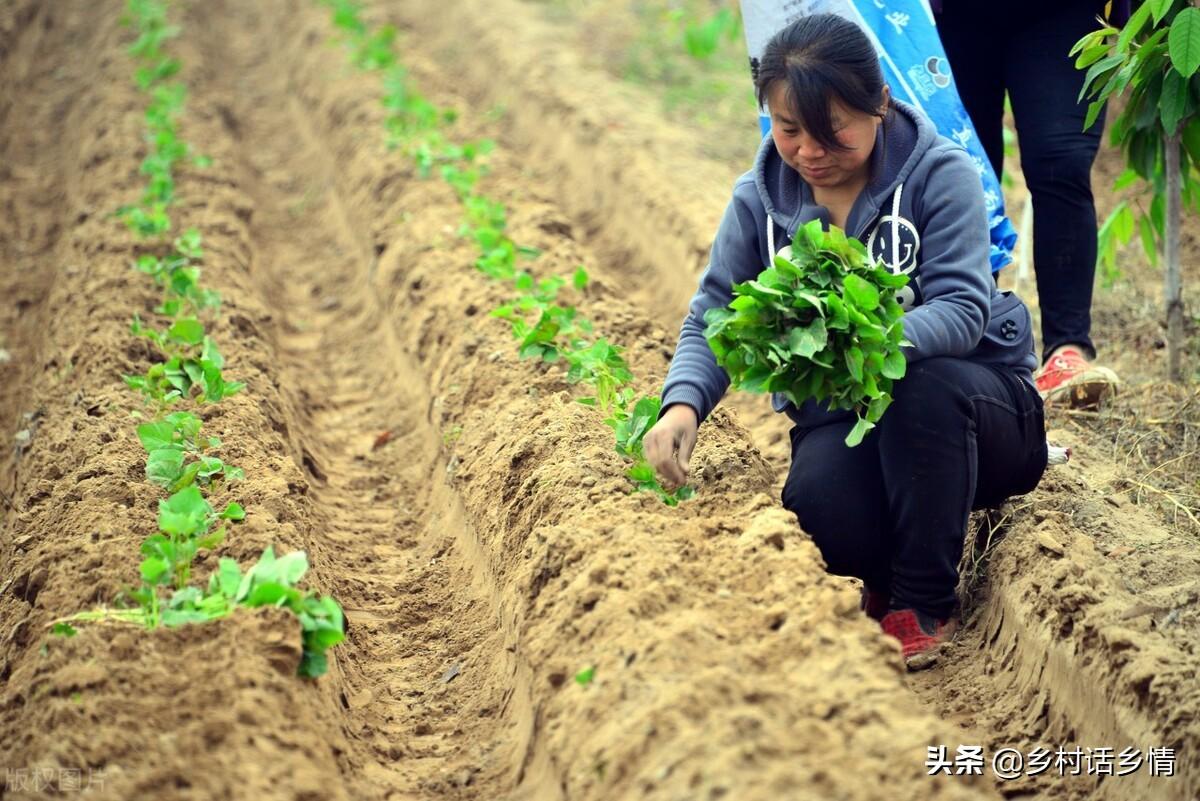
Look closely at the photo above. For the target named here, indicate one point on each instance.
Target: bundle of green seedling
(544, 329)
(180, 459)
(822, 324)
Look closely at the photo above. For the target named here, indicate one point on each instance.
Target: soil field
(486, 548)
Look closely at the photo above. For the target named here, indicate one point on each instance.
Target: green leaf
(861, 427)
(894, 365)
(234, 511)
(62, 629)
(1091, 55)
(1146, 232)
(585, 677)
(189, 331)
(227, 578)
(806, 341)
(1174, 100)
(1095, 71)
(1191, 140)
(860, 292)
(1183, 41)
(164, 466)
(184, 513)
(154, 568)
(1159, 8)
(210, 541)
(157, 435)
(854, 363)
(1137, 20)
(642, 472)
(580, 278)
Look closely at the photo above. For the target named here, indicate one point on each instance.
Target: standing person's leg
(958, 435)
(837, 495)
(969, 40)
(1056, 157)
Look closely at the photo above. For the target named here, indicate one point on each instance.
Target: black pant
(1024, 51)
(893, 511)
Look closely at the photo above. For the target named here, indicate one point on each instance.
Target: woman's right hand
(669, 443)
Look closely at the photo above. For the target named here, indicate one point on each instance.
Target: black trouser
(893, 511)
(1025, 52)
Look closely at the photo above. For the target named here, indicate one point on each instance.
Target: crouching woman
(965, 429)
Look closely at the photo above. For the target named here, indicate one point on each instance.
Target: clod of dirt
(1047, 541)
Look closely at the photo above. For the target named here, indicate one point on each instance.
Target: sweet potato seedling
(176, 454)
(193, 366)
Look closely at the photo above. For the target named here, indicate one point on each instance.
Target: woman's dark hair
(822, 57)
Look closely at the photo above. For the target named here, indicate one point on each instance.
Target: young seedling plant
(177, 455)
(822, 325)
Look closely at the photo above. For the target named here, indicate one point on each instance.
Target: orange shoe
(1070, 377)
(921, 636)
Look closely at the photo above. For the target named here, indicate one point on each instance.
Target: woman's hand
(668, 445)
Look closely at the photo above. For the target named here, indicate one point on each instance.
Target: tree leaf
(1174, 101)
(1183, 41)
(1137, 20)
(1095, 71)
(1146, 230)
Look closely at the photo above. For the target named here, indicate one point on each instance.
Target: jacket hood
(899, 144)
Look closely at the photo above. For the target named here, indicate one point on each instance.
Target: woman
(965, 429)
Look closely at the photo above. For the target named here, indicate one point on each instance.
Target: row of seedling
(188, 371)
(545, 328)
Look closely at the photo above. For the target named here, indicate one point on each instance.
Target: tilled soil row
(1086, 633)
(199, 712)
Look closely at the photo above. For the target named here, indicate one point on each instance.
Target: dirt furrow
(434, 696)
(124, 712)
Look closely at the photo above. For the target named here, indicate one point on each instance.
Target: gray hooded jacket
(922, 213)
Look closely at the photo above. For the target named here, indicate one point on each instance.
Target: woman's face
(818, 166)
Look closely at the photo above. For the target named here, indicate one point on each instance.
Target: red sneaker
(1068, 376)
(874, 603)
(921, 636)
